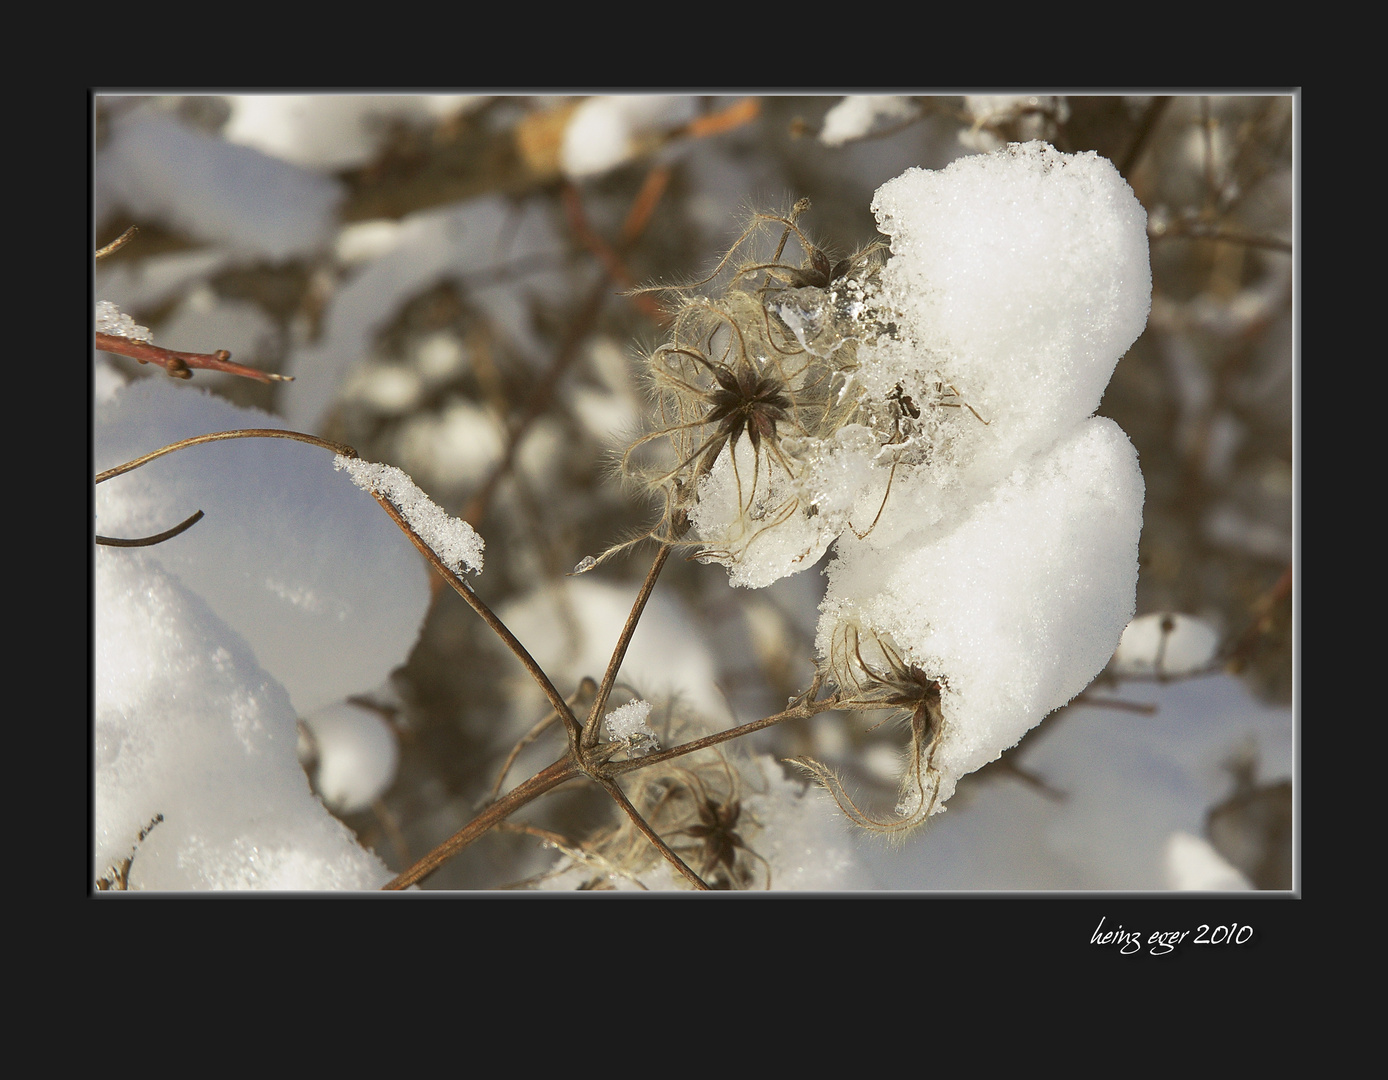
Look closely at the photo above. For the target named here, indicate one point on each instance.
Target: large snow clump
(933, 421)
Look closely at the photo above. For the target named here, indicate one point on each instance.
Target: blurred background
(448, 279)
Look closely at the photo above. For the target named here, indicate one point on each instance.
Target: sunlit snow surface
(1024, 293)
(188, 726)
(294, 591)
(1000, 560)
(1119, 785)
(283, 551)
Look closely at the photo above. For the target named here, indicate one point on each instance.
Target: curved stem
(240, 433)
(568, 769)
(463, 589)
(150, 541)
(590, 736)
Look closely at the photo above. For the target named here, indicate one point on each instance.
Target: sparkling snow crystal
(111, 320)
(451, 539)
(628, 726)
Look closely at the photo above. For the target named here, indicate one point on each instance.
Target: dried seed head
(872, 674)
(761, 360)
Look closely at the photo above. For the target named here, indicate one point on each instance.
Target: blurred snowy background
(444, 278)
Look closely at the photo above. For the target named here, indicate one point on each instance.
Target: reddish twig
(179, 364)
(735, 115)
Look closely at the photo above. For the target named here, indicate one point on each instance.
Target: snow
(605, 132)
(855, 117)
(110, 320)
(993, 545)
(984, 522)
(1165, 643)
(473, 240)
(330, 131)
(356, 756)
(1118, 785)
(1193, 865)
(188, 725)
(195, 722)
(221, 192)
(628, 726)
(451, 539)
(280, 554)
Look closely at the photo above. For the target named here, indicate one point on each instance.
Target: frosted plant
(627, 727)
(1004, 567)
(932, 418)
(752, 380)
(925, 408)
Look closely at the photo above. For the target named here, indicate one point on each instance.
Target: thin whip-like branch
(463, 589)
(150, 541)
(619, 797)
(590, 736)
(545, 780)
(240, 433)
(180, 364)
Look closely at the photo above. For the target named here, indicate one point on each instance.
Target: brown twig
(611, 261)
(735, 115)
(619, 797)
(240, 433)
(585, 687)
(590, 736)
(463, 589)
(116, 244)
(604, 773)
(150, 541)
(545, 780)
(178, 364)
(806, 708)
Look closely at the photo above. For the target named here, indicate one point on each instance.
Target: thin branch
(619, 797)
(150, 541)
(585, 687)
(463, 589)
(240, 433)
(118, 243)
(637, 218)
(546, 780)
(805, 709)
(568, 769)
(735, 115)
(178, 364)
(590, 736)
